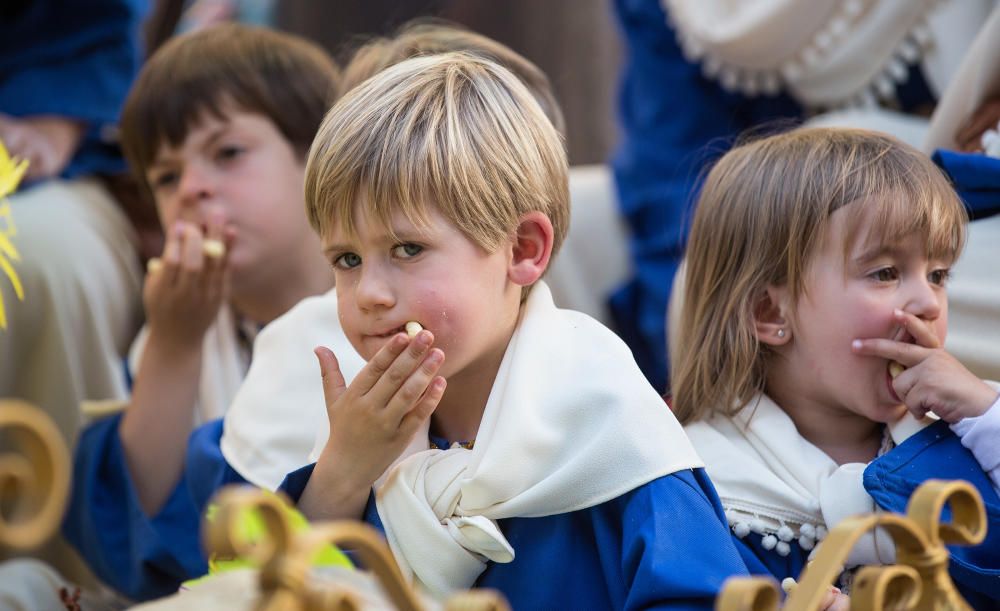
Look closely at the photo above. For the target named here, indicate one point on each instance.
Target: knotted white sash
(570, 423)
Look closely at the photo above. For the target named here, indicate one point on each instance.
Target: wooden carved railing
(34, 476)
(919, 580)
(286, 580)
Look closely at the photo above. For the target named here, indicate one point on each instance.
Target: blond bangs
(934, 212)
(453, 131)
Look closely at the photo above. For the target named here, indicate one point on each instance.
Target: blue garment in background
(74, 58)
(675, 122)
(663, 545)
(142, 556)
(976, 177)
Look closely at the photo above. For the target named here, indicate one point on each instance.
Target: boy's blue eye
(348, 260)
(406, 251)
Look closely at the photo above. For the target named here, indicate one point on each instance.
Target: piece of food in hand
(412, 328)
(895, 369)
(788, 584)
(153, 265)
(213, 249)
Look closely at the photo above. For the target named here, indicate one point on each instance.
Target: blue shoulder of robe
(664, 545)
(937, 453)
(142, 556)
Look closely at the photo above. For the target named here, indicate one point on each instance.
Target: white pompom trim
(882, 86)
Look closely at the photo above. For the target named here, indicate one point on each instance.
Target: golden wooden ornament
(286, 559)
(34, 476)
(919, 581)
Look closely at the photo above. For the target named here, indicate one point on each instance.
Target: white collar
(774, 482)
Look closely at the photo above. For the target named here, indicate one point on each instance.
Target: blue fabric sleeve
(142, 556)
(937, 453)
(674, 122)
(76, 59)
(676, 548)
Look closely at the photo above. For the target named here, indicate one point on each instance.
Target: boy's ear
(532, 248)
(768, 313)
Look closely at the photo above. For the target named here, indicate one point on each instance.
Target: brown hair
(762, 214)
(289, 80)
(430, 37)
(454, 131)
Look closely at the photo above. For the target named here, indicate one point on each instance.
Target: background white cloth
(279, 411)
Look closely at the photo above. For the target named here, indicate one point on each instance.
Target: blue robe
(75, 59)
(142, 556)
(933, 453)
(662, 545)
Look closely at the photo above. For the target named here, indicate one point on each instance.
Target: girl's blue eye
(405, 251)
(886, 274)
(348, 260)
(939, 276)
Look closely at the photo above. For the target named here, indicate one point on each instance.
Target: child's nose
(373, 289)
(195, 185)
(923, 301)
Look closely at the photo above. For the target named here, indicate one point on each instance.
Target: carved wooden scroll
(919, 580)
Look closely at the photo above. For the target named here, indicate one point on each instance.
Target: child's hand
(184, 291)
(933, 380)
(373, 419)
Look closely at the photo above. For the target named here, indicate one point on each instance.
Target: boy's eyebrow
(332, 248)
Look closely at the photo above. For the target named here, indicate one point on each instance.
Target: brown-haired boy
(217, 126)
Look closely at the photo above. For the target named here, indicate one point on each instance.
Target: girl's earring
(781, 333)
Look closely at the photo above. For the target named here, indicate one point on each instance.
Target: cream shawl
(773, 482)
(570, 423)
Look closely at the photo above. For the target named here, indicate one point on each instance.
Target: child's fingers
(919, 329)
(415, 386)
(424, 407)
(192, 258)
(372, 372)
(402, 368)
(214, 244)
(906, 354)
(333, 380)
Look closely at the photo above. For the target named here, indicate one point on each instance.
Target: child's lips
(389, 333)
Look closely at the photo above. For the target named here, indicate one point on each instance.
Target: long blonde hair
(763, 211)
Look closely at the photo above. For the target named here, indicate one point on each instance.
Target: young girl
(813, 317)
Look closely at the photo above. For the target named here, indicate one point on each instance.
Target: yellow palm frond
(12, 171)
